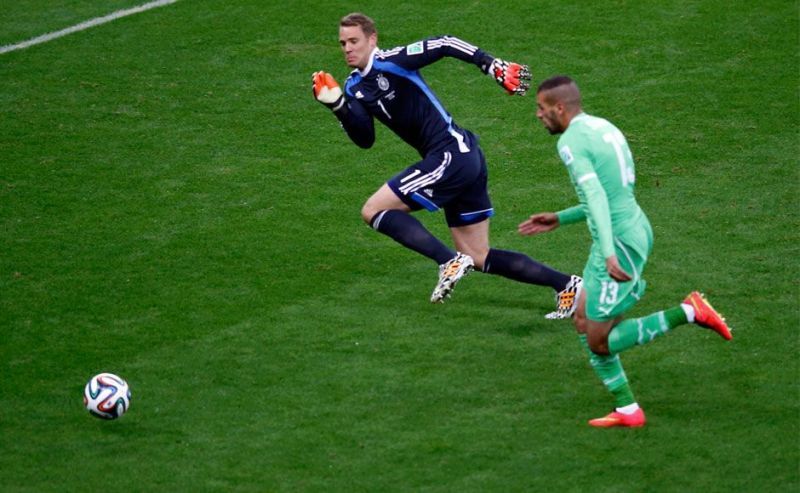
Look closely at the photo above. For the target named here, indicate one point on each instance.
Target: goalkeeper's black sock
(406, 230)
(522, 268)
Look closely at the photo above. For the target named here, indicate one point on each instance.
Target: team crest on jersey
(415, 48)
(566, 155)
(383, 82)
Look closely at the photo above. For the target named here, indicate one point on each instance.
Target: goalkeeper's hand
(326, 90)
(513, 77)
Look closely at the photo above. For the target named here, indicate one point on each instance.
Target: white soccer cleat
(449, 274)
(567, 300)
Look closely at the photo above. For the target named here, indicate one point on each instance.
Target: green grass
(176, 208)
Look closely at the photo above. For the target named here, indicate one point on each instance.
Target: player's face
(550, 114)
(356, 45)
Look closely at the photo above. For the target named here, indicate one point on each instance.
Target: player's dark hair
(561, 89)
(553, 82)
(358, 19)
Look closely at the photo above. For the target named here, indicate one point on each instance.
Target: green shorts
(607, 299)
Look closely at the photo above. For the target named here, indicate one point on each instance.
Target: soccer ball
(107, 396)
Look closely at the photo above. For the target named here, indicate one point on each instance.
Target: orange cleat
(634, 420)
(706, 316)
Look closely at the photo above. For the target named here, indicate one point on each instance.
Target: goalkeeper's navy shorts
(448, 179)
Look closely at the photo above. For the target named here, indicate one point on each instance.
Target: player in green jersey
(601, 168)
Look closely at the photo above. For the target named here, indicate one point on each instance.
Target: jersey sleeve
(357, 123)
(588, 184)
(572, 215)
(425, 52)
(597, 203)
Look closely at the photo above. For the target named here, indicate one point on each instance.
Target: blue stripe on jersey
(354, 79)
(417, 80)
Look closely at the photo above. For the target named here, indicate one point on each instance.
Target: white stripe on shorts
(427, 178)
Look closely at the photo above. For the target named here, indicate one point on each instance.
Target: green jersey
(601, 168)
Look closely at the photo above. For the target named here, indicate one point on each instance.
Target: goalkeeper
(386, 85)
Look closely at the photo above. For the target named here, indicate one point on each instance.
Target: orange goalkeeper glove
(513, 77)
(326, 90)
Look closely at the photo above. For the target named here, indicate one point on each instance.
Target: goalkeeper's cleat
(326, 90)
(706, 316)
(513, 77)
(449, 274)
(616, 418)
(567, 300)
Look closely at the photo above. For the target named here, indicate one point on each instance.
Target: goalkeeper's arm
(513, 77)
(355, 120)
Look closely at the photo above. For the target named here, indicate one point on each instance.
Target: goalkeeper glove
(327, 91)
(513, 77)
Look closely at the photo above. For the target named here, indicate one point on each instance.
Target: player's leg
(616, 298)
(386, 213)
(601, 307)
(598, 311)
(609, 298)
(428, 184)
(473, 239)
(608, 369)
(603, 341)
(638, 331)
(468, 217)
(472, 244)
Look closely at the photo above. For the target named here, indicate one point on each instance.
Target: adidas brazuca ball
(107, 396)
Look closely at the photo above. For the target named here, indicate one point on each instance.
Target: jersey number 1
(617, 140)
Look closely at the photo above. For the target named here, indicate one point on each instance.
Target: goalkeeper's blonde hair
(358, 19)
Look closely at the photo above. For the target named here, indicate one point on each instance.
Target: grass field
(177, 209)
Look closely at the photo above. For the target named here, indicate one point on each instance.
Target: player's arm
(513, 77)
(357, 123)
(355, 119)
(596, 201)
(543, 222)
(598, 210)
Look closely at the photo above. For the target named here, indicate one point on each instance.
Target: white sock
(629, 409)
(689, 310)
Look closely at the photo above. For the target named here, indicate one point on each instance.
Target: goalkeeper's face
(356, 45)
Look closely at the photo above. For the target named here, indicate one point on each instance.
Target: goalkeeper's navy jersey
(391, 89)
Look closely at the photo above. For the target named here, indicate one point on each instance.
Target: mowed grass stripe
(44, 38)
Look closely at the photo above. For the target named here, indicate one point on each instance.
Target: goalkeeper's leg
(387, 214)
(473, 240)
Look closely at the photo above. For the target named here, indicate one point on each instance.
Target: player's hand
(539, 223)
(326, 90)
(513, 77)
(615, 270)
